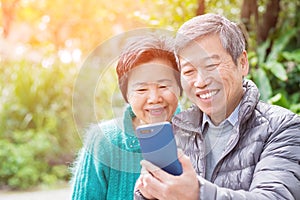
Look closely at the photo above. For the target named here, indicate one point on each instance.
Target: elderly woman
(109, 163)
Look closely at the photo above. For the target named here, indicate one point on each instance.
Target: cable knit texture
(108, 165)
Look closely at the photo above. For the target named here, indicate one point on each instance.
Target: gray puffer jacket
(261, 159)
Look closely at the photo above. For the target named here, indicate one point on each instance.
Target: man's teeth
(208, 95)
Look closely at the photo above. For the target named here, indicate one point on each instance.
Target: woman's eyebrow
(139, 84)
(164, 80)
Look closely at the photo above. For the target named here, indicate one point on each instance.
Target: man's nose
(201, 79)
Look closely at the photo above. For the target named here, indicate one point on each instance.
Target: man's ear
(243, 61)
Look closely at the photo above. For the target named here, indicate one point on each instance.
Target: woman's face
(153, 91)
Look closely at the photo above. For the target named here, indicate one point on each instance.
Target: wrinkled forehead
(202, 49)
(153, 71)
(194, 51)
(193, 47)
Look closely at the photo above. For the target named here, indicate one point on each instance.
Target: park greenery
(44, 44)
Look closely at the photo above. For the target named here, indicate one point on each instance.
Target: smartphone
(159, 147)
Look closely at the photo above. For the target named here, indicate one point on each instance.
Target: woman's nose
(154, 96)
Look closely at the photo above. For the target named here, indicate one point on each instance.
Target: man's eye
(211, 67)
(188, 72)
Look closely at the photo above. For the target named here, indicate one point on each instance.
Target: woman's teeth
(156, 111)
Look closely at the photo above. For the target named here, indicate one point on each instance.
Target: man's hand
(154, 183)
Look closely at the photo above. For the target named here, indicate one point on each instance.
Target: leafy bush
(37, 134)
(276, 67)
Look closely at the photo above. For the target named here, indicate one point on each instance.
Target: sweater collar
(130, 138)
(232, 119)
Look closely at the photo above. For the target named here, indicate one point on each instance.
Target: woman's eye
(141, 90)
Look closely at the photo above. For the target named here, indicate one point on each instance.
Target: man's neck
(232, 117)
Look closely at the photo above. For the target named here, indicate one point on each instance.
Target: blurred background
(43, 44)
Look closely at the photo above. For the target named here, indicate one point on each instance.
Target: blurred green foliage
(37, 134)
(275, 64)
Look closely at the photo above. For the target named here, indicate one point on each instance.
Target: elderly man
(235, 146)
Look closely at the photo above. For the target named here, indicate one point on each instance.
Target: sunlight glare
(65, 56)
(20, 50)
(48, 62)
(76, 55)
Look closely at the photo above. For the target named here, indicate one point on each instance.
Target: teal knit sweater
(108, 165)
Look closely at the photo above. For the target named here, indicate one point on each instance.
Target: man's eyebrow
(214, 56)
(203, 59)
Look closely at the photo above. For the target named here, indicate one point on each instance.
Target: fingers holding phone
(159, 147)
(161, 185)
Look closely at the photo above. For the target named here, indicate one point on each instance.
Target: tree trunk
(269, 20)
(249, 8)
(201, 7)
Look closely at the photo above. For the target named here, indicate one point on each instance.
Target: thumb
(184, 160)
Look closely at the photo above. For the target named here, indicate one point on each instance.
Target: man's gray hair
(231, 36)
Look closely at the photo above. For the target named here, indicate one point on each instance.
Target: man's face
(210, 78)
(153, 91)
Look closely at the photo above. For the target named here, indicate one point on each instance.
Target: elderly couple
(233, 146)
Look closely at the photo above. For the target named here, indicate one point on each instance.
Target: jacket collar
(191, 119)
(249, 101)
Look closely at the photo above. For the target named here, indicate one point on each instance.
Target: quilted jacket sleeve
(276, 175)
